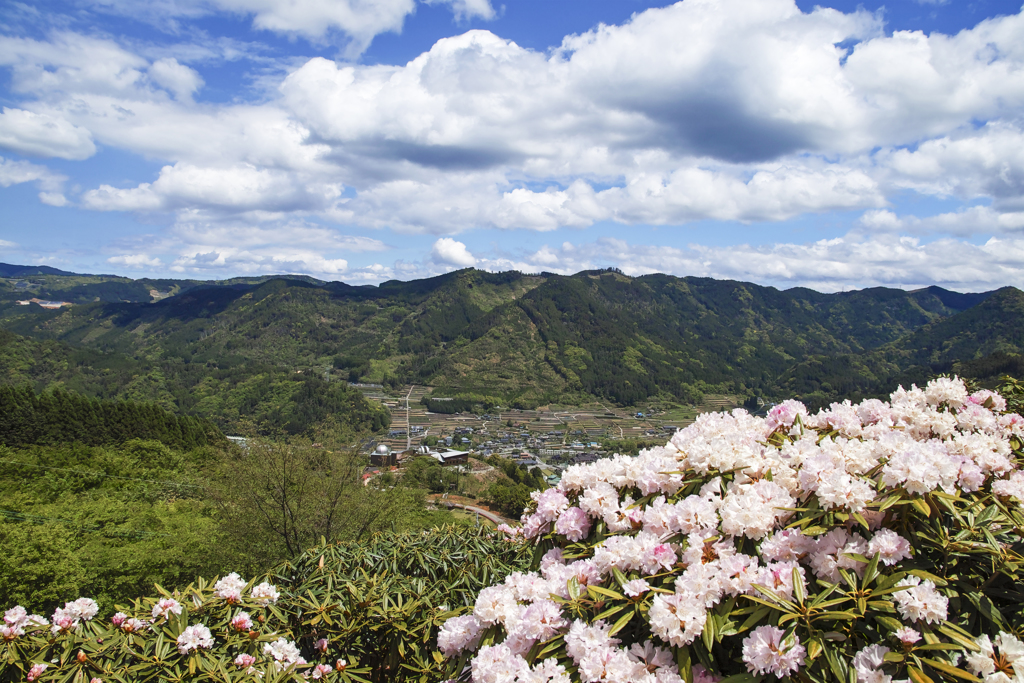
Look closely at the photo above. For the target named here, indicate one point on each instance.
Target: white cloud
(361, 20)
(222, 248)
(739, 110)
(135, 261)
(467, 9)
(988, 162)
(826, 265)
(43, 135)
(53, 198)
(450, 252)
(51, 184)
(240, 188)
(973, 220)
(179, 79)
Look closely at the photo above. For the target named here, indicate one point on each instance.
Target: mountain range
(223, 349)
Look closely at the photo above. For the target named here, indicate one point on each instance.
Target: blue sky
(780, 142)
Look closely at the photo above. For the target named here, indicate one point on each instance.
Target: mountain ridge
(526, 339)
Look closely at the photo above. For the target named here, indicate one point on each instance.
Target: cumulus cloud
(179, 79)
(736, 110)
(852, 261)
(240, 188)
(450, 252)
(195, 245)
(969, 163)
(43, 135)
(973, 220)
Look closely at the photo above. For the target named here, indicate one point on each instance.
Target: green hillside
(241, 350)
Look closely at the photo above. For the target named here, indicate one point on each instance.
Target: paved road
(480, 511)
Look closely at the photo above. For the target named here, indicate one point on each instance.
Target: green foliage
(427, 473)
(61, 416)
(277, 498)
(106, 522)
(512, 494)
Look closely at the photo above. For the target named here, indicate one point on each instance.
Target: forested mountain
(233, 350)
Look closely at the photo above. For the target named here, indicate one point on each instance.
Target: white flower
(998, 668)
(458, 634)
(677, 619)
(890, 546)
(636, 587)
(766, 650)
(497, 664)
(230, 588)
(284, 652)
(166, 607)
(265, 594)
(194, 637)
(868, 664)
(921, 601)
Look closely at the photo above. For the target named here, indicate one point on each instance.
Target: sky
(836, 146)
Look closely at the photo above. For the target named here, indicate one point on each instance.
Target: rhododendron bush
(347, 612)
(866, 543)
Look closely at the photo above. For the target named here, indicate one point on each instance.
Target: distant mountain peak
(10, 270)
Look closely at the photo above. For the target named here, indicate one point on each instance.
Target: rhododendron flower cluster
(285, 653)
(265, 594)
(230, 588)
(194, 637)
(1004, 666)
(72, 614)
(706, 549)
(164, 608)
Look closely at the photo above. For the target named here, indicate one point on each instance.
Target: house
(448, 456)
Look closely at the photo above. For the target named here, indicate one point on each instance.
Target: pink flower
(321, 671)
(321, 645)
(242, 622)
(133, 625)
(118, 619)
(244, 661)
(166, 607)
(702, 675)
(36, 671)
(783, 415)
(265, 594)
(890, 546)
(574, 524)
(194, 637)
(907, 635)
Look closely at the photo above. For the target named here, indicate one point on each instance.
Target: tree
(280, 498)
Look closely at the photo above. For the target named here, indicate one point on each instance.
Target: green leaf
(621, 623)
(598, 590)
(918, 676)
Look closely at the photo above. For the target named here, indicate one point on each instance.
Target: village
(551, 437)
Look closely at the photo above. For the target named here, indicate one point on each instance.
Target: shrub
(867, 542)
(364, 611)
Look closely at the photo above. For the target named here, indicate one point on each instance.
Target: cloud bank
(746, 111)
